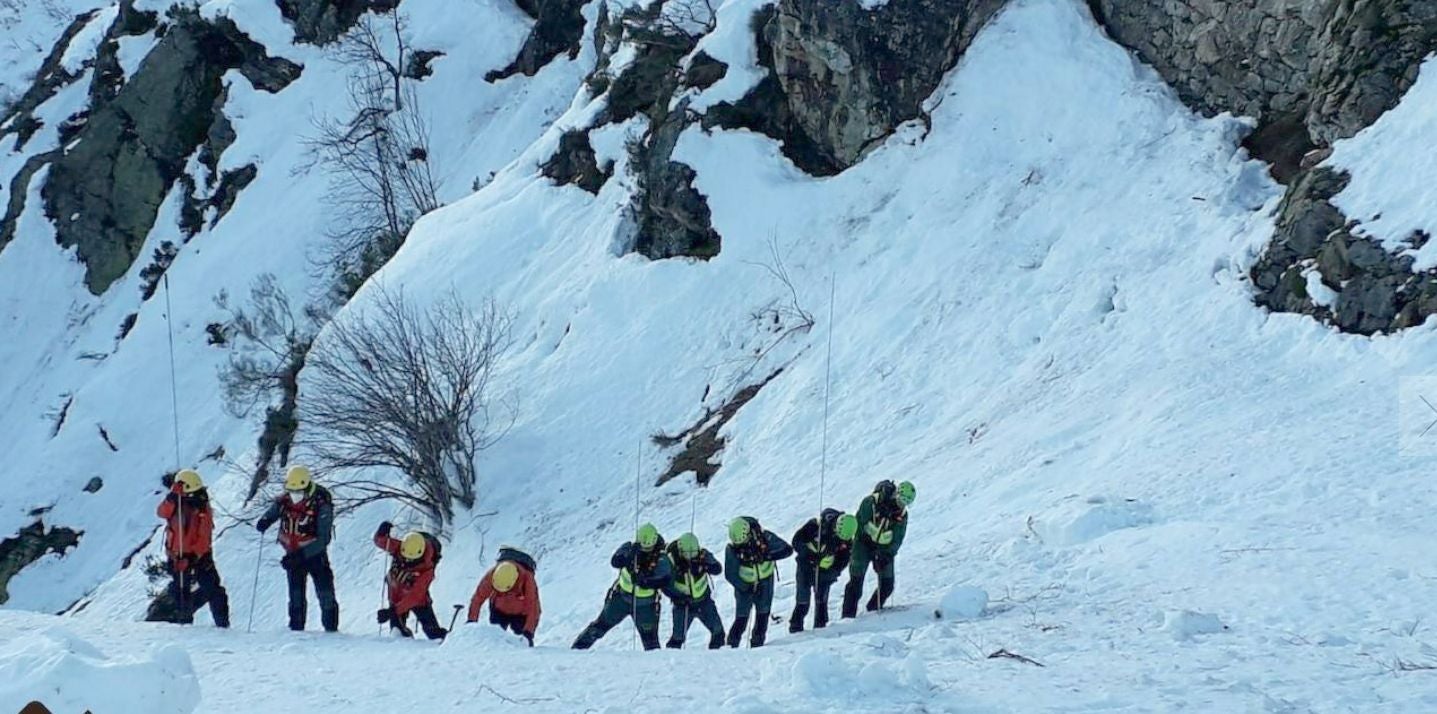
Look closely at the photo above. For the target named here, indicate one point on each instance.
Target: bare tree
(378, 157)
(677, 23)
(392, 385)
(270, 341)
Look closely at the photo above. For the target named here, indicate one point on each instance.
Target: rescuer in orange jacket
(189, 530)
(410, 574)
(512, 593)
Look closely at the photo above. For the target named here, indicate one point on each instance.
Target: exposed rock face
(1311, 72)
(558, 29)
(1378, 291)
(672, 217)
(29, 545)
(320, 22)
(103, 193)
(1337, 64)
(842, 77)
(575, 163)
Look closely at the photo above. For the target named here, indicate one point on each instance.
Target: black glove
(882, 560)
(530, 637)
(168, 480)
(260, 526)
(384, 529)
(291, 560)
(385, 615)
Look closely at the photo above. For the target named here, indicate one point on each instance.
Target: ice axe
(455, 619)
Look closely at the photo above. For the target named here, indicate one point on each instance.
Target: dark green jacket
(882, 526)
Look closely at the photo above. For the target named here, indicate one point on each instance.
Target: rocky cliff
(1311, 72)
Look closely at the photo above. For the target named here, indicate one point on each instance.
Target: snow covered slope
(1173, 499)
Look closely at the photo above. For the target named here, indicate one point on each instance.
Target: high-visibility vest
(880, 531)
(694, 589)
(824, 562)
(626, 583)
(755, 573)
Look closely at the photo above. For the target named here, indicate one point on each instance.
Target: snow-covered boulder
(1186, 624)
(963, 602)
(1079, 520)
(67, 674)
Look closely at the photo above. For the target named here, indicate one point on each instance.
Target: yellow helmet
(297, 479)
(412, 547)
(505, 575)
(189, 480)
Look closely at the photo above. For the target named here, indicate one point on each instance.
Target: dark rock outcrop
(575, 163)
(1377, 290)
(29, 545)
(843, 77)
(104, 192)
(672, 218)
(558, 29)
(320, 22)
(1311, 73)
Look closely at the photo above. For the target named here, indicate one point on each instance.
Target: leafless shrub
(378, 157)
(677, 23)
(399, 387)
(270, 341)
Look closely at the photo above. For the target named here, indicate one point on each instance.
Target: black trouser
(704, 611)
(813, 584)
(318, 569)
(512, 623)
(197, 586)
(759, 599)
(427, 621)
(619, 606)
(864, 554)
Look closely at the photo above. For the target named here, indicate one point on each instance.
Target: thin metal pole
(254, 590)
(634, 596)
(175, 418)
(823, 458)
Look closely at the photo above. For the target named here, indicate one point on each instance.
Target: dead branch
(1005, 654)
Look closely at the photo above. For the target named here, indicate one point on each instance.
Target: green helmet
(739, 530)
(847, 527)
(689, 546)
(648, 536)
(906, 492)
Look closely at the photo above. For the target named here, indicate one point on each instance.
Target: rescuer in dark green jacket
(882, 524)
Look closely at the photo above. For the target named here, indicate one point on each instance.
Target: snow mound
(878, 682)
(67, 674)
(963, 602)
(1186, 624)
(1075, 521)
(482, 636)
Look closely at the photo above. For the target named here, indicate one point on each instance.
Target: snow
(963, 602)
(1079, 520)
(1186, 624)
(28, 30)
(67, 674)
(1035, 322)
(1316, 289)
(1394, 182)
(83, 45)
(731, 43)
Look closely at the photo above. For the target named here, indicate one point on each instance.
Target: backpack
(514, 555)
(434, 544)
